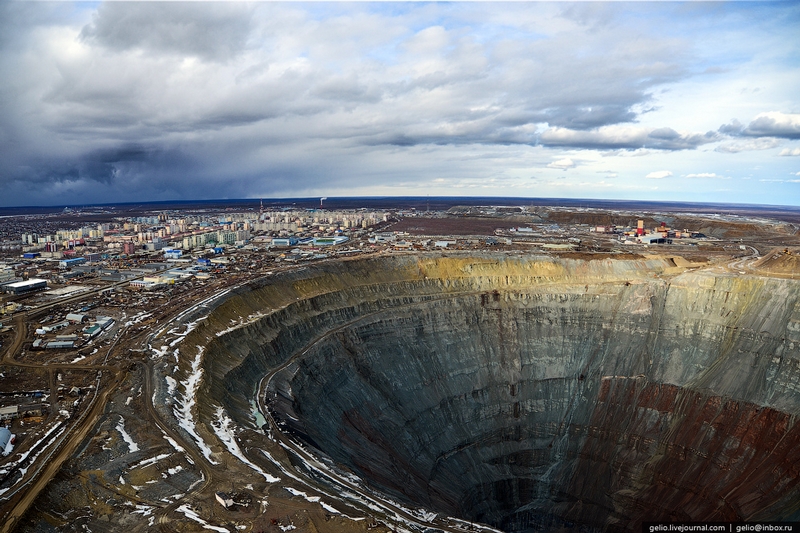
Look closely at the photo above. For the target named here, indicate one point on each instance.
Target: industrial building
(7, 413)
(102, 323)
(284, 241)
(23, 287)
(69, 263)
(224, 500)
(59, 345)
(75, 318)
(654, 238)
(329, 241)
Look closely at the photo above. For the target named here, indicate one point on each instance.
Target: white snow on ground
(150, 461)
(329, 508)
(183, 411)
(137, 318)
(132, 446)
(193, 485)
(172, 384)
(190, 514)
(171, 471)
(223, 430)
(80, 358)
(121, 480)
(312, 499)
(472, 525)
(145, 510)
(228, 330)
(189, 328)
(24, 455)
(159, 352)
(345, 494)
(425, 515)
(24, 471)
(280, 466)
(288, 528)
(172, 442)
(236, 325)
(364, 499)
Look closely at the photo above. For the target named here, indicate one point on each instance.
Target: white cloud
(707, 175)
(626, 137)
(789, 151)
(562, 164)
(659, 174)
(609, 173)
(761, 143)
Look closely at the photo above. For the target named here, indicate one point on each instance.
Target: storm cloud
(156, 100)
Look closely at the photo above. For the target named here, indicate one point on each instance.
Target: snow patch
(312, 499)
(150, 461)
(329, 508)
(193, 485)
(137, 318)
(183, 411)
(144, 510)
(171, 471)
(159, 352)
(192, 515)
(23, 471)
(178, 447)
(172, 384)
(222, 428)
(132, 446)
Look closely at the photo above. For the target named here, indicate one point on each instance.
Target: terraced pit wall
(529, 392)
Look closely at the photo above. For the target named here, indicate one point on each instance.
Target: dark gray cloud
(786, 126)
(772, 124)
(734, 128)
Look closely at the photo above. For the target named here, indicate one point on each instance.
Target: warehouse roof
(30, 282)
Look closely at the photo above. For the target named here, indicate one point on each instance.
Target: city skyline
(149, 101)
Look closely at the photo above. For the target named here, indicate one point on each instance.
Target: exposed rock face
(535, 392)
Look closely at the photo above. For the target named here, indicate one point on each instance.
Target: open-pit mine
(455, 391)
